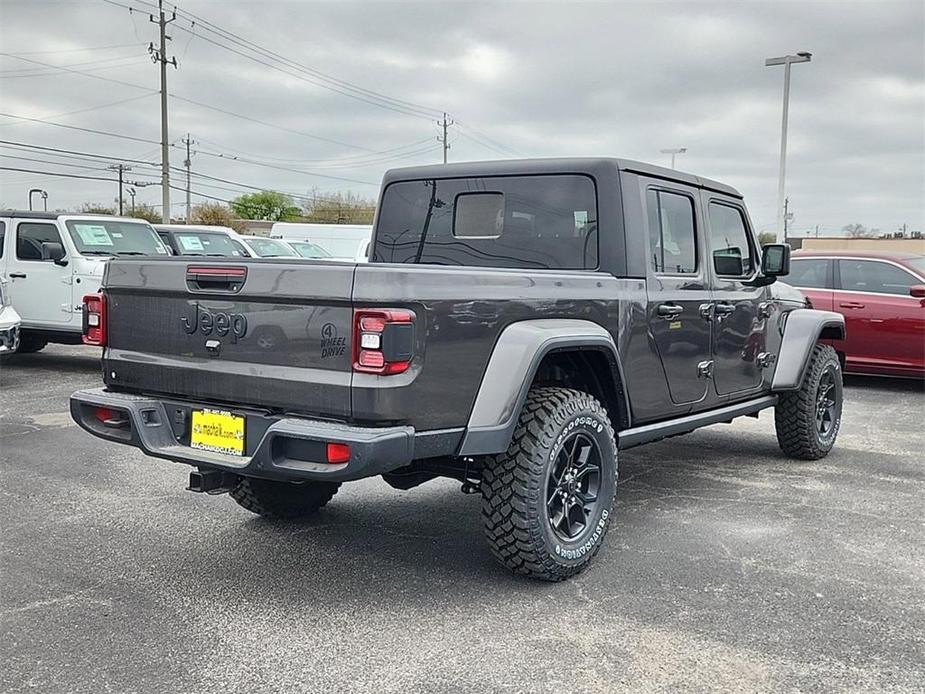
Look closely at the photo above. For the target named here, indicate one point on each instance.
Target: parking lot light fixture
(674, 152)
(786, 61)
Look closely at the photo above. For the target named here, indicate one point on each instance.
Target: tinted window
(106, 237)
(809, 272)
(672, 248)
(874, 276)
(29, 239)
(732, 252)
(307, 249)
(2, 236)
(541, 222)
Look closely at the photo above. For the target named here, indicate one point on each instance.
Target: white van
(50, 261)
(342, 241)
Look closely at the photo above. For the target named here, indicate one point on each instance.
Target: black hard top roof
(511, 167)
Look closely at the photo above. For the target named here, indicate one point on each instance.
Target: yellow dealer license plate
(217, 431)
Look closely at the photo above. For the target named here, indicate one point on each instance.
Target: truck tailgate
(257, 332)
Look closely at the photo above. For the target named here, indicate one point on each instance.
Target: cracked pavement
(727, 567)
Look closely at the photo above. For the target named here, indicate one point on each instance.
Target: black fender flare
(803, 328)
(514, 361)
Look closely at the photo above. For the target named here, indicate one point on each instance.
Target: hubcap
(573, 486)
(826, 401)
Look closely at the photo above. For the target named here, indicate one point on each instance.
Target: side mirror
(53, 251)
(775, 260)
(917, 290)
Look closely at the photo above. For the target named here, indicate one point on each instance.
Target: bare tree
(856, 231)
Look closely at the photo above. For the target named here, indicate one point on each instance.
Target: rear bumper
(287, 448)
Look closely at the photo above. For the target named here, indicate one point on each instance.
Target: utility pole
(131, 191)
(786, 61)
(445, 123)
(121, 168)
(188, 141)
(159, 55)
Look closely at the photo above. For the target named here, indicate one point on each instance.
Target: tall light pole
(673, 152)
(786, 61)
(41, 193)
(131, 191)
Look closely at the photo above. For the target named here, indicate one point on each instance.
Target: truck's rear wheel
(547, 501)
(272, 499)
(807, 420)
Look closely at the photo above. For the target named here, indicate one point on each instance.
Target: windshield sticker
(93, 234)
(190, 243)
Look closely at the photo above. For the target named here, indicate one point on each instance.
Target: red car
(881, 296)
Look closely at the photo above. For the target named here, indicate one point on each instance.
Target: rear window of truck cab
(532, 222)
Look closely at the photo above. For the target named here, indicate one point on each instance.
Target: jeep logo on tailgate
(206, 322)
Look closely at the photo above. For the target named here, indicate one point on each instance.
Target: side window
(808, 273)
(2, 237)
(874, 276)
(30, 237)
(672, 245)
(732, 252)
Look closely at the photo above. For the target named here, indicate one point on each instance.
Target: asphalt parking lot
(728, 567)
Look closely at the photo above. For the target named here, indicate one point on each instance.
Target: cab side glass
(775, 260)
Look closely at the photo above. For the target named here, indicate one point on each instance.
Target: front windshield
(110, 237)
(268, 248)
(309, 250)
(206, 243)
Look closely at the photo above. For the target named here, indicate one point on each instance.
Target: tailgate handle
(215, 278)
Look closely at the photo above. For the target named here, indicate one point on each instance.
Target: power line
(90, 108)
(327, 81)
(24, 145)
(76, 50)
(75, 127)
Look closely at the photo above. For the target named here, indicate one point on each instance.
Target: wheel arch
(564, 352)
(803, 328)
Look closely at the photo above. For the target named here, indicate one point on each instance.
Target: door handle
(724, 309)
(847, 304)
(18, 275)
(669, 310)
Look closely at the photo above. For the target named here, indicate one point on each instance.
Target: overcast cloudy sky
(521, 79)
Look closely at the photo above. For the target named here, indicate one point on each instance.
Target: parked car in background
(881, 295)
(262, 247)
(9, 322)
(195, 239)
(341, 241)
(52, 260)
(307, 249)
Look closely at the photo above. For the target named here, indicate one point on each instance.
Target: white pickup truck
(51, 260)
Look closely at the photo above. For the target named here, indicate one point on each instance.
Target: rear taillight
(337, 453)
(383, 340)
(94, 320)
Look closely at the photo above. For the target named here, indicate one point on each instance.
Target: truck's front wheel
(807, 420)
(547, 501)
(272, 499)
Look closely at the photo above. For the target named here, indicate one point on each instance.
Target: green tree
(267, 204)
(146, 212)
(95, 208)
(766, 237)
(215, 214)
(340, 208)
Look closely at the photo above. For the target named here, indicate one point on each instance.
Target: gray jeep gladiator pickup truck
(518, 323)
